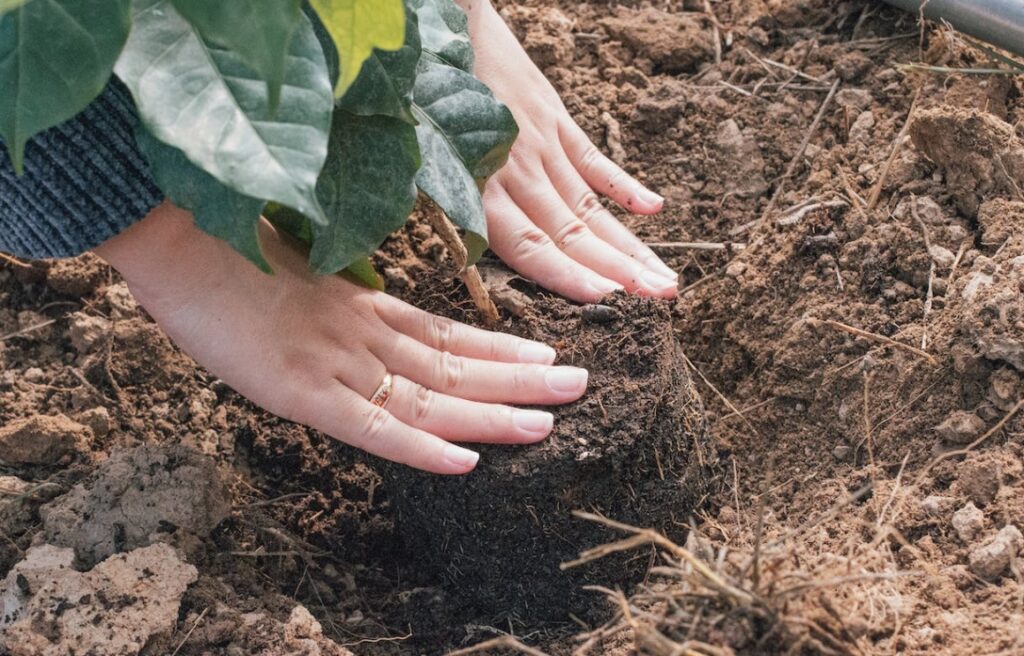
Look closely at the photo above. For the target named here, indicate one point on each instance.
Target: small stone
(976, 281)
(935, 504)
(862, 127)
(41, 440)
(122, 303)
(991, 560)
(736, 269)
(12, 486)
(86, 331)
(979, 480)
(943, 257)
(842, 452)
(968, 522)
(98, 420)
(961, 427)
(1004, 389)
(854, 99)
(34, 375)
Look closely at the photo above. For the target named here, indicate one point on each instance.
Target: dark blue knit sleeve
(84, 182)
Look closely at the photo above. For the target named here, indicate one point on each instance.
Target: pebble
(841, 452)
(961, 427)
(736, 269)
(943, 257)
(935, 504)
(968, 522)
(989, 561)
(85, 331)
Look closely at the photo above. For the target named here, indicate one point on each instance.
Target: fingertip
(533, 425)
(536, 353)
(459, 460)
(597, 288)
(656, 264)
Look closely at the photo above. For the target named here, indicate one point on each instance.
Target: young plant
(327, 117)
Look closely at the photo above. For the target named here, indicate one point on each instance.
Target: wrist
(163, 253)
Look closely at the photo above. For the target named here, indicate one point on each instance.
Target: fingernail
(537, 353)
(566, 379)
(648, 197)
(461, 458)
(654, 262)
(536, 422)
(657, 282)
(604, 287)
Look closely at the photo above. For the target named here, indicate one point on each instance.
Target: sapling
(327, 117)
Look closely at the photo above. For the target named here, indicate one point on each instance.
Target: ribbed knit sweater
(84, 182)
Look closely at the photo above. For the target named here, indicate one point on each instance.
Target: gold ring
(381, 397)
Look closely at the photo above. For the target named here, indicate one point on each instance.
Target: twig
(27, 329)
(800, 151)
(792, 218)
(13, 261)
(931, 271)
(721, 396)
(961, 71)
(190, 631)
(504, 642)
(716, 36)
(696, 245)
(897, 145)
(469, 275)
(970, 447)
(874, 337)
(956, 263)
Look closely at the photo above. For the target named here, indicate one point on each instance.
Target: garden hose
(999, 22)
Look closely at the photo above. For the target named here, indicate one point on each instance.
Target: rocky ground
(850, 233)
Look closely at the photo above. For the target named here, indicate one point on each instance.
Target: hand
(314, 349)
(544, 219)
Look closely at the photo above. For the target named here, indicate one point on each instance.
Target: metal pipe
(1000, 22)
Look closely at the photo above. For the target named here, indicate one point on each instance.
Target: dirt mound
(135, 498)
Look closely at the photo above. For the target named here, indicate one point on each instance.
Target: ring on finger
(382, 395)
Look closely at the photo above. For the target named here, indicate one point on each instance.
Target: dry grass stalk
(503, 642)
(874, 337)
(897, 145)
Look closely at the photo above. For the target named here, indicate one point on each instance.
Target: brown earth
(855, 332)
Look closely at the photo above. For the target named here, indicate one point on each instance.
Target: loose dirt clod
(137, 497)
(991, 560)
(41, 440)
(674, 43)
(76, 276)
(960, 427)
(968, 522)
(49, 609)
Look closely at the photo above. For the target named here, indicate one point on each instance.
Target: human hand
(544, 218)
(314, 349)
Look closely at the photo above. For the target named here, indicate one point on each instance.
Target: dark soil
(877, 489)
(490, 537)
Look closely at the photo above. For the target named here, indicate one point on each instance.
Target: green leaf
(362, 271)
(357, 27)
(385, 82)
(465, 136)
(218, 210)
(205, 101)
(366, 188)
(286, 220)
(56, 56)
(8, 5)
(259, 31)
(444, 32)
